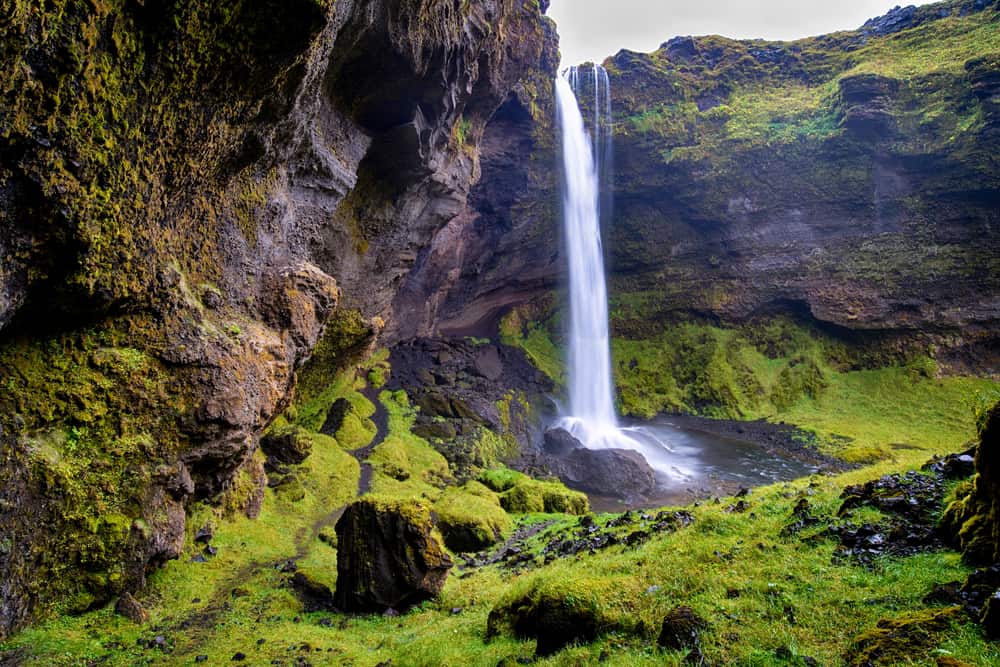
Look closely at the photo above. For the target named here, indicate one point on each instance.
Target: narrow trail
(218, 604)
(381, 421)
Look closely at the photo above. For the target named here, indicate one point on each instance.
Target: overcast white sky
(594, 29)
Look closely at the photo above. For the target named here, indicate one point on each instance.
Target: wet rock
(622, 473)
(560, 442)
(388, 556)
(130, 608)
(680, 629)
(204, 534)
(910, 500)
(315, 596)
(954, 466)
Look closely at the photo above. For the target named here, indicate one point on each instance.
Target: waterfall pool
(694, 464)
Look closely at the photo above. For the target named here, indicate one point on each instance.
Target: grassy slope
(242, 597)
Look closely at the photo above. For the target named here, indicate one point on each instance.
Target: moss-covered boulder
(520, 494)
(288, 445)
(559, 611)
(470, 517)
(389, 556)
(895, 641)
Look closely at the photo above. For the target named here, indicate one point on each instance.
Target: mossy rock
(973, 518)
(895, 641)
(501, 479)
(389, 555)
(529, 495)
(558, 610)
(471, 519)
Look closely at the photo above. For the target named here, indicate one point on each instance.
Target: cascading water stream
(592, 417)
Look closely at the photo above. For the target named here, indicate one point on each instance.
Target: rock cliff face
(849, 178)
(188, 195)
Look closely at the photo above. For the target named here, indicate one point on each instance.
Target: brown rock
(680, 629)
(130, 608)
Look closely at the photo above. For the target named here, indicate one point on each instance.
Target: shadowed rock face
(387, 557)
(174, 242)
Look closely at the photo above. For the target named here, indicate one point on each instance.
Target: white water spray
(592, 417)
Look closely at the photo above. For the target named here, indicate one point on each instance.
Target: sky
(595, 29)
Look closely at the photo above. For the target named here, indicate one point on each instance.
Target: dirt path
(381, 420)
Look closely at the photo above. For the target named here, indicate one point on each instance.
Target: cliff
(849, 180)
(189, 193)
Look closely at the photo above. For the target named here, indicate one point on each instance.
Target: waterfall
(592, 417)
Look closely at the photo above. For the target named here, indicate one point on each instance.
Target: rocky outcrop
(186, 204)
(388, 556)
(972, 521)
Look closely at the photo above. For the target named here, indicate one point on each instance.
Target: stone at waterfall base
(389, 556)
(622, 473)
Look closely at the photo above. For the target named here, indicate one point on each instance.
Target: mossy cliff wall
(188, 193)
(851, 178)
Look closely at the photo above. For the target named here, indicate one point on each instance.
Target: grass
(735, 570)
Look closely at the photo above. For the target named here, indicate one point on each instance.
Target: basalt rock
(388, 556)
(622, 473)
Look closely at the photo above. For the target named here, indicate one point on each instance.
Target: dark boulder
(560, 442)
(973, 519)
(488, 364)
(560, 613)
(614, 472)
(288, 446)
(315, 596)
(388, 557)
(681, 629)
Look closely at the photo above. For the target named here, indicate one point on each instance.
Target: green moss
(405, 465)
(895, 641)
(470, 517)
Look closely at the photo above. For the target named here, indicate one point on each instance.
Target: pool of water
(692, 464)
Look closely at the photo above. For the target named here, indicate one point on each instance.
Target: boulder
(315, 595)
(614, 472)
(286, 446)
(335, 417)
(680, 629)
(389, 556)
(130, 608)
(973, 519)
(561, 611)
(488, 364)
(560, 442)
